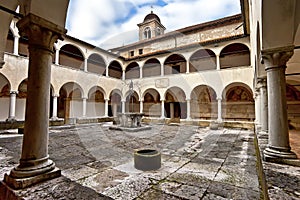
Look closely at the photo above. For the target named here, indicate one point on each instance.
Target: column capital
(13, 92)
(261, 82)
(219, 98)
(277, 57)
(36, 28)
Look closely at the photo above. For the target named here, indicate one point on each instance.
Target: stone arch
(293, 104)
(238, 103)
(114, 103)
(203, 103)
(175, 64)
(96, 64)
(5, 88)
(132, 71)
(115, 70)
(234, 55)
(151, 68)
(151, 103)
(203, 59)
(72, 56)
(70, 101)
(175, 103)
(96, 102)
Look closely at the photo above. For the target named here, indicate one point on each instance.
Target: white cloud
(103, 22)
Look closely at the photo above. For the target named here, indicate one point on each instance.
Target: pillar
(218, 62)
(263, 104)
(54, 111)
(123, 75)
(106, 71)
(114, 109)
(278, 144)
(141, 106)
(171, 110)
(162, 109)
(187, 67)
(188, 109)
(162, 73)
(123, 105)
(12, 106)
(35, 165)
(56, 56)
(85, 65)
(84, 106)
(141, 72)
(219, 119)
(257, 99)
(16, 45)
(106, 108)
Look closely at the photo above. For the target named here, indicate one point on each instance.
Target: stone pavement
(97, 163)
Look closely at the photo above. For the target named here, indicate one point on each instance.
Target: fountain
(130, 121)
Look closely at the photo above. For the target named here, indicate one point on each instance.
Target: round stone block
(147, 159)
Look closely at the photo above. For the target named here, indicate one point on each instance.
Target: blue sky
(112, 23)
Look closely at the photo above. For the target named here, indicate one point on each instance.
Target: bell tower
(151, 27)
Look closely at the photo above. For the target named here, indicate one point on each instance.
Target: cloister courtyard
(196, 163)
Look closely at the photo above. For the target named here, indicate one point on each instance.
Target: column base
(273, 154)
(20, 183)
(11, 119)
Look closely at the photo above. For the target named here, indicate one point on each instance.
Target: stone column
(84, 106)
(123, 75)
(85, 65)
(54, 111)
(141, 72)
(188, 109)
(162, 109)
(115, 109)
(16, 45)
(123, 105)
(106, 71)
(141, 106)
(56, 56)
(162, 73)
(257, 99)
(187, 67)
(12, 106)
(219, 119)
(263, 104)
(172, 110)
(275, 64)
(35, 165)
(218, 62)
(106, 108)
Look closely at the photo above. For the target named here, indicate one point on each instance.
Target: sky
(112, 23)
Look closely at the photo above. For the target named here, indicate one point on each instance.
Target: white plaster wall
(20, 109)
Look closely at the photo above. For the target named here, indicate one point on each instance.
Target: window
(158, 31)
(140, 51)
(147, 33)
(131, 53)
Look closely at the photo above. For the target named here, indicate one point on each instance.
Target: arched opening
(203, 59)
(115, 70)
(21, 100)
(147, 33)
(4, 97)
(151, 68)
(71, 56)
(234, 55)
(175, 64)
(132, 71)
(175, 103)
(238, 103)
(203, 103)
(152, 104)
(132, 103)
(96, 64)
(96, 102)
(293, 103)
(70, 101)
(9, 42)
(114, 103)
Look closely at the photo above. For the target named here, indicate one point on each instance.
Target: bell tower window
(147, 33)
(158, 31)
